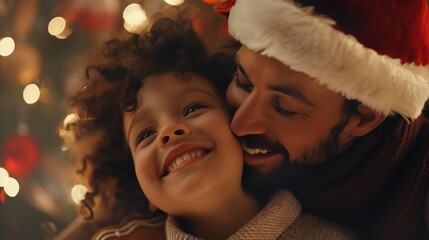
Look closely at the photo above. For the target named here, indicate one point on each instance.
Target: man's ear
(364, 121)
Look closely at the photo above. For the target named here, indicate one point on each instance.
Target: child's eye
(190, 108)
(146, 133)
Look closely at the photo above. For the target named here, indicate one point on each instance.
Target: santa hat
(375, 51)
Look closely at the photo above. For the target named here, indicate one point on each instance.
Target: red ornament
(21, 155)
(95, 15)
(2, 195)
(91, 21)
(210, 1)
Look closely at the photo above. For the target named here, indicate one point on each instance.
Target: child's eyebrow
(137, 117)
(215, 97)
(194, 89)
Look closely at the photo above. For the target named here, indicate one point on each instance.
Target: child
(157, 106)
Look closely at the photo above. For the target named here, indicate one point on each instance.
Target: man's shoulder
(308, 226)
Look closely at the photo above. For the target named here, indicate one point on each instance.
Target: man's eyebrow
(291, 92)
(284, 90)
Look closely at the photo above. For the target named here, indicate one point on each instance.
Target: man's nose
(173, 131)
(250, 117)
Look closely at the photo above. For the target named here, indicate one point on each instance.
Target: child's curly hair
(110, 88)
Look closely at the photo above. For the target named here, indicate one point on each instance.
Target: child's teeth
(183, 158)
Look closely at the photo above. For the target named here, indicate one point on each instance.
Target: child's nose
(172, 132)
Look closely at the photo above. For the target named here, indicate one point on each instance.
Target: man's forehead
(273, 74)
(252, 61)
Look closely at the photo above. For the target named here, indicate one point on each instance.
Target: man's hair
(350, 108)
(110, 88)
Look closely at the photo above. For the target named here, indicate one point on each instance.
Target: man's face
(282, 115)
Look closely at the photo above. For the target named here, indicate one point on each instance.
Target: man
(328, 98)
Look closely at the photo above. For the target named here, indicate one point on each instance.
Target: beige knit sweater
(281, 218)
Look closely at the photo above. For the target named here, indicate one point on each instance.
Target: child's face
(183, 149)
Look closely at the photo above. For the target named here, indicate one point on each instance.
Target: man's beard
(263, 186)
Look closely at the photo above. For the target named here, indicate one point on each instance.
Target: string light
(135, 18)
(7, 46)
(174, 2)
(4, 176)
(70, 119)
(31, 93)
(130, 9)
(64, 34)
(78, 193)
(64, 148)
(56, 26)
(12, 187)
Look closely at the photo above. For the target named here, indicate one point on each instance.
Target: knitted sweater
(281, 218)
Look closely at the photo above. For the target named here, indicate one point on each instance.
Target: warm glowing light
(64, 34)
(134, 18)
(78, 193)
(65, 132)
(56, 26)
(12, 187)
(31, 93)
(64, 148)
(7, 46)
(131, 8)
(70, 119)
(174, 2)
(4, 176)
(134, 28)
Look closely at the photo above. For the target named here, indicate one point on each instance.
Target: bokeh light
(31, 93)
(56, 26)
(7, 46)
(64, 34)
(135, 18)
(70, 119)
(174, 2)
(65, 133)
(12, 187)
(4, 176)
(64, 148)
(130, 8)
(78, 193)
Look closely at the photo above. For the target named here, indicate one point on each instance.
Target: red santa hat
(375, 51)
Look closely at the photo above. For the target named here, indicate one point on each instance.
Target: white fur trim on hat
(308, 43)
